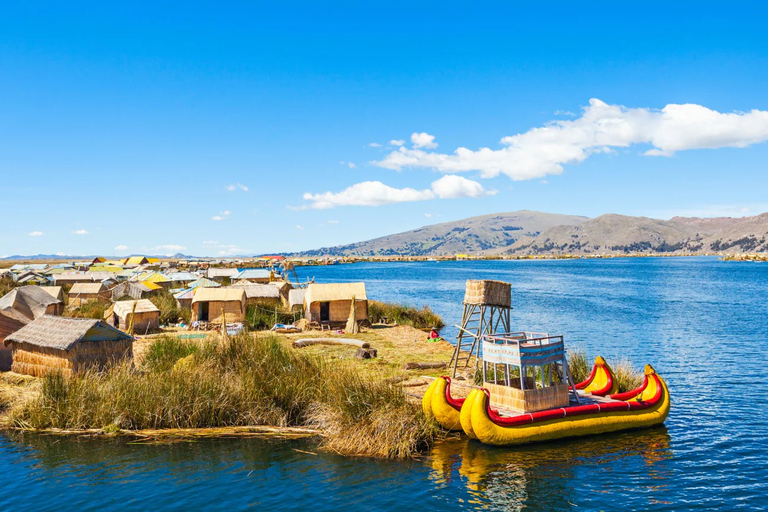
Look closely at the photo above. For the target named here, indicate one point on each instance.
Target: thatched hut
(31, 302)
(69, 344)
(265, 295)
(221, 274)
(54, 291)
(130, 289)
(331, 303)
(145, 315)
(296, 299)
(253, 275)
(215, 305)
(184, 298)
(10, 322)
(80, 293)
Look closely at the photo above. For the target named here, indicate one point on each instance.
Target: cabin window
(325, 311)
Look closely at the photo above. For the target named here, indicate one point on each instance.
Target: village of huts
(85, 314)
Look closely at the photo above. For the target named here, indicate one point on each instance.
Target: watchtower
(487, 306)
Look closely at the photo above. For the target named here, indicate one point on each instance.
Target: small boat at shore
(598, 409)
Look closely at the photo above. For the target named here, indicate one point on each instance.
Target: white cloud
(351, 165)
(376, 193)
(396, 142)
(121, 247)
(374, 145)
(423, 140)
(567, 113)
(36, 233)
(210, 242)
(601, 127)
(171, 247)
(81, 232)
(237, 186)
(222, 215)
(452, 187)
(299, 226)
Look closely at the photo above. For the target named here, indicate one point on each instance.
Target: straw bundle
(352, 325)
(528, 400)
(492, 293)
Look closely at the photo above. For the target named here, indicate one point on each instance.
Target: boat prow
(601, 381)
(440, 405)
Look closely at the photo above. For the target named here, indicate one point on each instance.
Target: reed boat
(595, 411)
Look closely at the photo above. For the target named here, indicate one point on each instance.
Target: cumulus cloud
(237, 186)
(170, 247)
(222, 215)
(376, 193)
(121, 247)
(423, 140)
(374, 145)
(36, 233)
(396, 142)
(600, 128)
(81, 232)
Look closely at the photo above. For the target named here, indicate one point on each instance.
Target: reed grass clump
(627, 377)
(423, 318)
(259, 318)
(170, 311)
(242, 381)
(578, 364)
(91, 309)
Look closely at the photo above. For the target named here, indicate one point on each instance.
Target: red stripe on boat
(577, 410)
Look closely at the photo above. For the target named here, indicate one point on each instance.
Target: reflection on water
(548, 474)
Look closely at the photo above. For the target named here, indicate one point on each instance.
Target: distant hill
(536, 233)
(612, 234)
(474, 235)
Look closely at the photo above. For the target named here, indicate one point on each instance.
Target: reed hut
(184, 298)
(216, 305)
(331, 303)
(296, 299)
(253, 275)
(31, 302)
(220, 274)
(69, 344)
(145, 315)
(80, 293)
(130, 289)
(54, 291)
(265, 295)
(10, 322)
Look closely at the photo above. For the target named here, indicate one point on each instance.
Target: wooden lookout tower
(487, 305)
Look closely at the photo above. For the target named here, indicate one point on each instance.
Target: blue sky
(137, 126)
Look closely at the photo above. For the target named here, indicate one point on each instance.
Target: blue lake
(702, 323)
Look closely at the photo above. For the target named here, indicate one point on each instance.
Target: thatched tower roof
(30, 301)
(63, 333)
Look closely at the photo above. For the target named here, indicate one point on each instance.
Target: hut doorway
(203, 312)
(325, 311)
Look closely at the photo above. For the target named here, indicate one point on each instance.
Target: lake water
(702, 323)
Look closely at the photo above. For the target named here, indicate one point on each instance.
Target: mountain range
(536, 233)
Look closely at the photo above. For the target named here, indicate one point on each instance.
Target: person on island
(433, 336)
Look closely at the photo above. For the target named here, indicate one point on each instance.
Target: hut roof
(150, 285)
(252, 273)
(185, 294)
(296, 296)
(125, 307)
(30, 301)
(86, 288)
(182, 276)
(258, 291)
(53, 291)
(204, 283)
(221, 272)
(218, 295)
(64, 333)
(334, 291)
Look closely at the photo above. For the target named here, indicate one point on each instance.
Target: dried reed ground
(243, 381)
